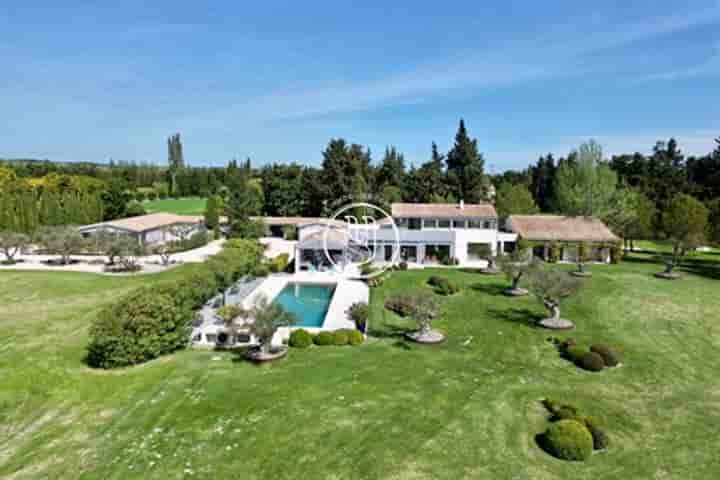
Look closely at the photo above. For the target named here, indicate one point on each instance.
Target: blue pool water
(309, 302)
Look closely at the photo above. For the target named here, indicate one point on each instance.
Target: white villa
(426, 235)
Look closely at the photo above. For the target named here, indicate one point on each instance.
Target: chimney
(462, 204)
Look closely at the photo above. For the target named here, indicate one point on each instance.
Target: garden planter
(258, 356)
(432, 337)
(490, 271)
(556, 324)
(667, 275)
(515, 292)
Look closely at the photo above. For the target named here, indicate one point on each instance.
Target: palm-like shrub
(359, 313)
(267, 318)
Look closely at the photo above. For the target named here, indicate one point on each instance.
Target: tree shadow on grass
(542, 442)
(522, 316)
(489, 288)
(389, 331)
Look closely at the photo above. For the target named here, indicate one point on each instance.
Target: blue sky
(90, 80)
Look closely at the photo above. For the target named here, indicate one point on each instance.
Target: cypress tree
(465, 165)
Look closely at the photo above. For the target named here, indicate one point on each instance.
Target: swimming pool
(309, 302)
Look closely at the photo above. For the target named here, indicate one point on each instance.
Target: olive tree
(551, 288)
(165, 251)
(684, 223)
(12, 243)
(581, 258)
(230, 314)
(515, 266)
(266, 318)
(64, 241)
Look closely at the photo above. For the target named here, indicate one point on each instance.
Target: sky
(276, 80)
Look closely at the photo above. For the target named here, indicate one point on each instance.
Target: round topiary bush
(323, 339)
(300, 338)
(355, 337)
(609, 355)
(569, 440)
(592, 362)
(575, 353)
(340, 337)
(600, 438)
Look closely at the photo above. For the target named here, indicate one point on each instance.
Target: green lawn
(467, 409)
(180, 206)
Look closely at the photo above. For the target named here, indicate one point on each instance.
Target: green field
(180, 206)
(386, 410)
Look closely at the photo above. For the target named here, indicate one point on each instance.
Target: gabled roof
(443, 210)
(144, 223)
(560, 228)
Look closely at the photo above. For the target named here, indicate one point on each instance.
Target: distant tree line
(629, 191)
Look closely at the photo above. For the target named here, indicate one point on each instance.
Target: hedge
(153, 321)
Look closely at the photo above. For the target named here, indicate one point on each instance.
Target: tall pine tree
(465, 168)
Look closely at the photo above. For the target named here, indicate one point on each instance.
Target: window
(458, 224)
(414, 224)
(443, 223)
(430, 223)
(402, 222)
(474, 224)
(488, 224)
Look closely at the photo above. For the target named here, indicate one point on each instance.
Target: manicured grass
(392, 410)
(180, 206)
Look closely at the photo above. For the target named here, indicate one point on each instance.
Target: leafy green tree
(244, 201)
(267, 318)
(64, 241)
(685, 224)
(7, 178)
(12, 243)
(714, 221)
(212, 214)
(465, 168)
(586, 186)
(428, 182)
(115, 200)
(391, 172)
(176, 162)
(514, 200)
(515, 266)
(551, 288)
(542, 184)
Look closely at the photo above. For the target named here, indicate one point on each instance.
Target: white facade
(432, 239)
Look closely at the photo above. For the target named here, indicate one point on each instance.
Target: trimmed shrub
(569, 440)
(355, 337)
(323, 339)
(403, 266)
(261, 270)
(600, 438)
(340, 337)
(143, 325)
(575, 353)
(443, 285)
(609, 355)
(592, 362)
(300, 338)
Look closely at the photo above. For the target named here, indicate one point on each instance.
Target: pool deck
(346, 293)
